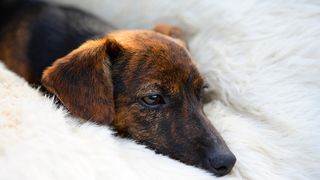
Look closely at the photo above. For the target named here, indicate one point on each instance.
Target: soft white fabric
(262, 61)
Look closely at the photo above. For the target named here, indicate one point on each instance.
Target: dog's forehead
(138, 39)
(157, 59)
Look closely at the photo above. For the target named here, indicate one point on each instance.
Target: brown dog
(141, 82)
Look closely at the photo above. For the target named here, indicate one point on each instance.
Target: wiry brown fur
(82, 81)
(105, 80)
(140, 62)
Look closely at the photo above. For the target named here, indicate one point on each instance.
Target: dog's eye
(206, 95)
(202, 90)
(153, 100)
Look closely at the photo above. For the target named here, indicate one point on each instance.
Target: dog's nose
(221, 162)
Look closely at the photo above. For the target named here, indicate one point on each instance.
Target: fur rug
(262, 61)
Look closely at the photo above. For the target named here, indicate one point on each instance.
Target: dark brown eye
(153, 100)
(206, 95)
(203, 91)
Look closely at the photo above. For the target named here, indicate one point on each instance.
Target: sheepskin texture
(262, 61)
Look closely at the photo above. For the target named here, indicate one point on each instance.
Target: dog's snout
(221, 162)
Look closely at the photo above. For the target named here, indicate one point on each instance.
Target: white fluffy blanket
(262, 59)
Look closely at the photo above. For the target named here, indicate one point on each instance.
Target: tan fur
(13, 50)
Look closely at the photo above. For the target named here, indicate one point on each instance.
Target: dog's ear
(172, 31)
(82, 80)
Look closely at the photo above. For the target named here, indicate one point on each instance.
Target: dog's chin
(200, 161)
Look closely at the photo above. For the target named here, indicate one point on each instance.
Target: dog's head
(144, 84)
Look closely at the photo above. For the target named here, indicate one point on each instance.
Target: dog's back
(34, 34)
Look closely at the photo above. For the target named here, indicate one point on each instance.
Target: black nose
(221, 162)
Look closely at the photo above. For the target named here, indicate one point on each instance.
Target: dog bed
(262, 61)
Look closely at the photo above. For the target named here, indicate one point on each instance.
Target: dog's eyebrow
(151, 87)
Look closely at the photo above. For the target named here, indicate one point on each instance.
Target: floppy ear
(172, 31)
(82, 80)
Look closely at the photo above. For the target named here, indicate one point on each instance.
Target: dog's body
(141, 82)
(44, 33)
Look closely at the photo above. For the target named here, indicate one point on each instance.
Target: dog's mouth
(218, 162)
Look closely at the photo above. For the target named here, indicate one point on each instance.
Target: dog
(143, 83)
